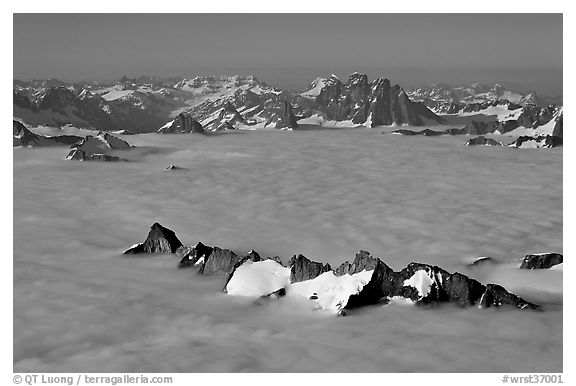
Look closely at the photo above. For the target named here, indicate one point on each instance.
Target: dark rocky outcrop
(455, 131)
(546, 141)
(373, 104)
(287, 118)
(96, 148)
(81, 155)
(507, 126)
(483, 141)
(481, 261)
(497, 296)
(251, 256)
(191, 256)
(183, 124)
(445, 287)
(24, 137)
(219, 262)
(480, 127)
(558, 131)
(458, 289)
(159, 240)
(425, 132)
(541, 261)
(264, 299)
(66, 107)
(422, 284)
(21, 100)
(303, 268)
(533, 115)
(382, 283)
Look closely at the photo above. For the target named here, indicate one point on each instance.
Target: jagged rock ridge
(24, 137)
(364, 281)
(159, 240)
(97, 148)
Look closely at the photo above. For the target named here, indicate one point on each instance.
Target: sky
(290, 50)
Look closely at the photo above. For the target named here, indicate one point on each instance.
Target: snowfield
(82, 306)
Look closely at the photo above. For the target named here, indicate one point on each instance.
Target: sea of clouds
(79, 305)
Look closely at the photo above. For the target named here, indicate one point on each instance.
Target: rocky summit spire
(183, 123)
(159, 240)
(287, 119)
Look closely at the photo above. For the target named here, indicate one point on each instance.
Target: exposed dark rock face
(461, 289)
(66, 139)
(248, 99)
(437, 276)
(271, 296)
(287, 119)
(541, 261)
(251, 256)
(425, 132)
(506, 126)
(455, 131)
(483, 141)
(551, 141)
(445, 287)
(183, 123)
(380, 111)
(533, 115)
(219, 262)
(277, 259)
(24, 137)
(457, 288)
(381, 284)
(330, 92)
(96, 148)
(481, 261)
(113, 142)
(558, 127)
(159, 240)
(276, 294)
(72, 109)
(227, 118)
(304, 269)
(496, 296)
(190, 256)
(184, 253)
(22, 101)
(423, 284)
(480, 128)
(232, 110)
(81, 155)
(526, 141)
(373, 104)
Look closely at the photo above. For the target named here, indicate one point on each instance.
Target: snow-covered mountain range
(214, 103)
(443, 98)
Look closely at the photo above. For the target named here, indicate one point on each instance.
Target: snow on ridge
(258, 278)
(316, 87)
(422, 281)
(330, 292)
(327, 291)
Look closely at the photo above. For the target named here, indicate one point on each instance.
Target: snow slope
(258, 278)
